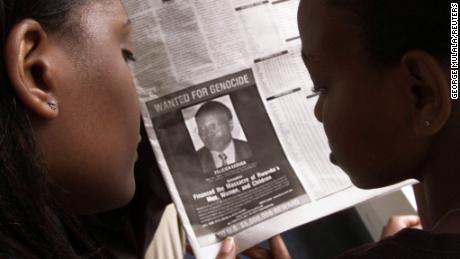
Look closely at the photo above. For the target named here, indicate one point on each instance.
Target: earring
(427, 124)
(52, 105)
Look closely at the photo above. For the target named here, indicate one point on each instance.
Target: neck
(441, 183)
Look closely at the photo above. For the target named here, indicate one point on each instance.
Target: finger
(404, 220)
(410, 220)
(397, 223)
(228, 250)
(278, 248)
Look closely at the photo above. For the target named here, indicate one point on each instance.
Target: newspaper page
(222, 88)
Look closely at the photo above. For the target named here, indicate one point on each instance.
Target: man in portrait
(215, 126)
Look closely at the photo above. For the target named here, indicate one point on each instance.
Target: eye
(128, 56)
(316, 91)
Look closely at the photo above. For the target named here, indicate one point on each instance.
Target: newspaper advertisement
(222, 88)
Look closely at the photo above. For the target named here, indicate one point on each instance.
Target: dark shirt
(409, 244)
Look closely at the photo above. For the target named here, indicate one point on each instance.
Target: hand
(277, 250)
(396, 223)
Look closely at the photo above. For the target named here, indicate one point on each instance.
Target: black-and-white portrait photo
(217, 134)
(222, 150)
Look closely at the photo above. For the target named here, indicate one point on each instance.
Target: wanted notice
(224, 156)
(222, 89)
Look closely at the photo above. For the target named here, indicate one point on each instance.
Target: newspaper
(222, 89)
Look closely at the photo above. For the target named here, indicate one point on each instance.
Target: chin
(108, 199)
(373, 181)
(104, 206)
(366, 185)
(125, 196)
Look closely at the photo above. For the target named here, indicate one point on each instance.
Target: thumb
(411, 220)
(227, 251)
(278, 248)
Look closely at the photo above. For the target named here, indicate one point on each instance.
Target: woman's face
(364, 110)
(90, 147)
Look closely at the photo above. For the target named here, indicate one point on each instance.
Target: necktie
(223, 157)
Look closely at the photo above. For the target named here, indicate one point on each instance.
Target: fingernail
(228, 244)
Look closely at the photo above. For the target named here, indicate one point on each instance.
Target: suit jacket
(242, 152)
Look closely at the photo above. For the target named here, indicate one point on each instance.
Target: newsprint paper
(222, 88)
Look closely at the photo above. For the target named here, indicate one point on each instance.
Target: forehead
(212, 116)
(325, 30)
(99, 16)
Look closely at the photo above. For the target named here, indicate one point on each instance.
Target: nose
(319, 109)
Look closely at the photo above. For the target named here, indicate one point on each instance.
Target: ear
(429, 92)
(27, 62)
(230, 125)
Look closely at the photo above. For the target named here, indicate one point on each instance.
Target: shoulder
(11, 248)
(240, 143)
(409, 244)
(373, 250)
(204, 155)
(203, 151)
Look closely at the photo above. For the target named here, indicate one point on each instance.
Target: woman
(382, 71)
(386, 107)
(69, 123)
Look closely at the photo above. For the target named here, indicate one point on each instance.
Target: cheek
(221, 134)
(117, 114)
(362, 132)
(105, 137)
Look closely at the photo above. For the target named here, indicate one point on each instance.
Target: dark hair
(32, 225)
(212, 107)
(390, 28)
